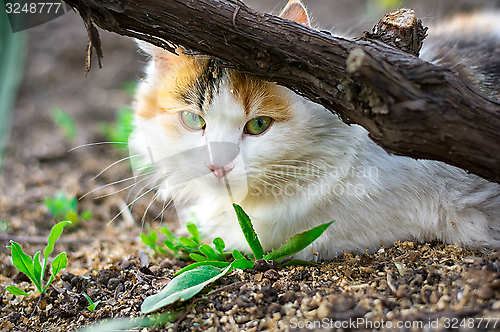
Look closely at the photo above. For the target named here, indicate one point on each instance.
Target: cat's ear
(295, 11)
(163, 59)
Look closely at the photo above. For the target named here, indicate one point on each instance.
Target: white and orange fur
(309, 167)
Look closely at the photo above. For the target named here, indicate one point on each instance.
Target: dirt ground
(423, 286)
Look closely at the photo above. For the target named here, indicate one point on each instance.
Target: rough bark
(409, 106)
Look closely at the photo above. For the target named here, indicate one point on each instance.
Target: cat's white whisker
(135, 200)
(155, 180)
(116, 182)
(96, 143)
(157, 194)
(116, 162)
(117, 191)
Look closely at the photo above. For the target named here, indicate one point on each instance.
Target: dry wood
(409, 106)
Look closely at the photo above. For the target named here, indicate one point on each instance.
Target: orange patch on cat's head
(170, 90)
(260, 98)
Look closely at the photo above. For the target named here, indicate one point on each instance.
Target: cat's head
(216, 127)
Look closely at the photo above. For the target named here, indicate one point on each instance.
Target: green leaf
(183, 287)
(188, 242)
(297, 262)
(127, 324)
(3, 225)
(16, 291)
(145, 239)
(162, 251)
(121, 130)
(153, 237)
(191, 227)
(219, 245)
(71, 216)
(169, 245)
(204, 263)
(92, 305)
(86, 215)
(65, 122)
(59, 263)
(88, 298)
(242, 264)
(249, 232)
(237, 254)
(297, 242)
(149, 240)
(197, 257)
(73, 203)
(55, 233)
(23, 263)
(37, 268)
(210, 253)
(167, 233)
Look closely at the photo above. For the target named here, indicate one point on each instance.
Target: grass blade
(297, 242)
(249, 232)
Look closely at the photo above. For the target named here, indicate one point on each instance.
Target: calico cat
(214, 136)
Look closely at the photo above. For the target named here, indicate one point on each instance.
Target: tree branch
(409, 106)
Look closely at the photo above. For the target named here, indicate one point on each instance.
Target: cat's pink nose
(221, 172)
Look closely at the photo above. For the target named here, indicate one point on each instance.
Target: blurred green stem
(12, 56)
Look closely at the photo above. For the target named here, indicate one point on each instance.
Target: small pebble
(125, 265)
(166, 264)
(271, 274)
(485, 292)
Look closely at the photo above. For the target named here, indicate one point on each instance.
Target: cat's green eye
(258, 125)
(192, 120)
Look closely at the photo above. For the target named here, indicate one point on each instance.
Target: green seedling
(119, 132)
(33, 268)
(4, 226)
(389, 4)
(211, 264)
(92, 305)
(184, 247)
(65, 123)
(66, 208)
